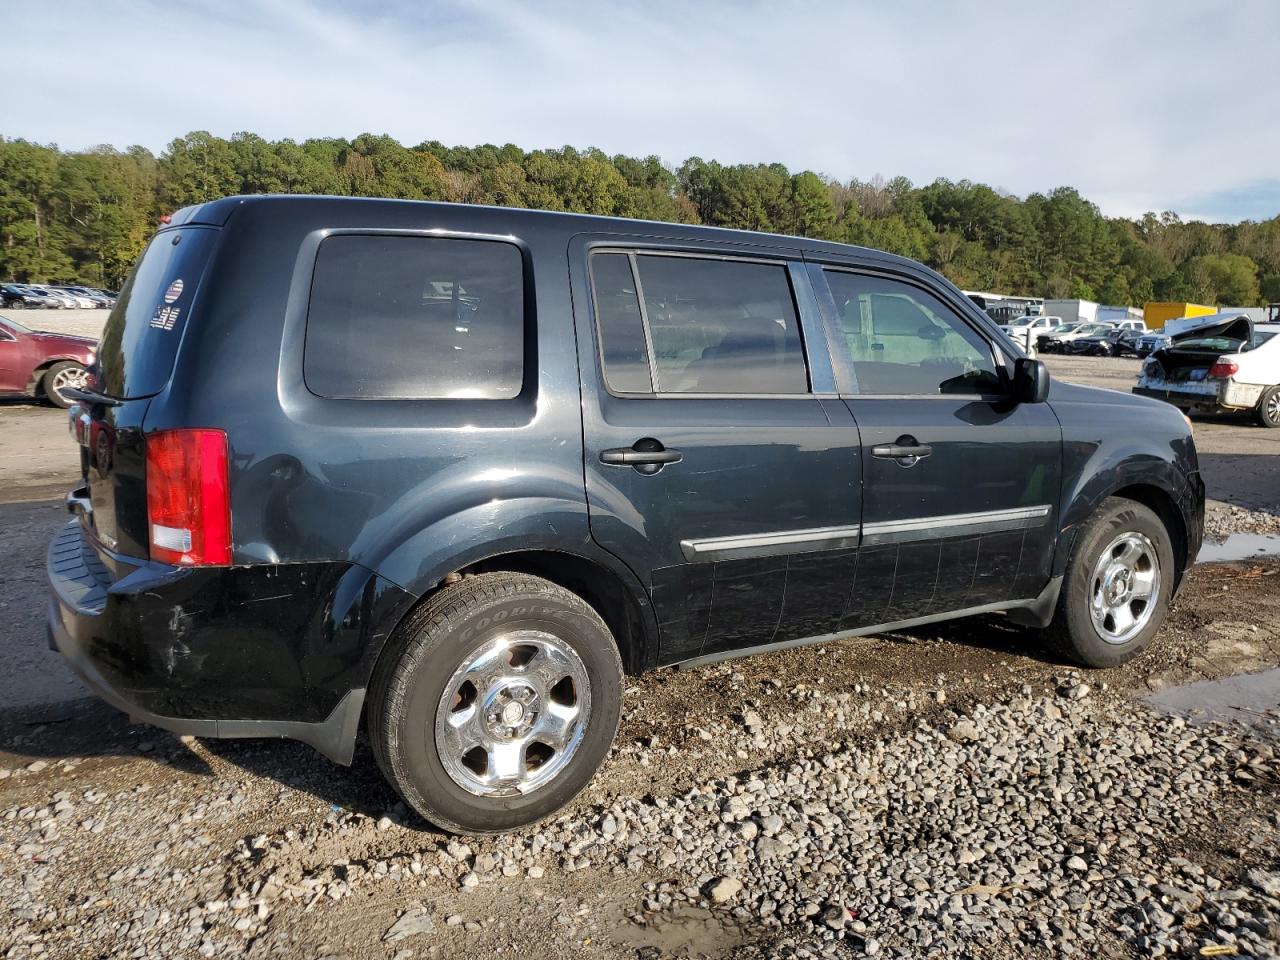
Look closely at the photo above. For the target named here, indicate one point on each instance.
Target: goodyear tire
(496, 702)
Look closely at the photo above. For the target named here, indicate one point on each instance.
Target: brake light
(189, 497)
(1222, 369)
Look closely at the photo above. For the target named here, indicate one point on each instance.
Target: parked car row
(1091, 339)
(41, 296)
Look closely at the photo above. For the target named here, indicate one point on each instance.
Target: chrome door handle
(907, 450)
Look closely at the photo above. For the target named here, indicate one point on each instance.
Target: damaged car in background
(1222, 364)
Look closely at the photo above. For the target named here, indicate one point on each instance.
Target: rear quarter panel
(380, 483)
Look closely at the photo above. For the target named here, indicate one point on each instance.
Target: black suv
(451, 471)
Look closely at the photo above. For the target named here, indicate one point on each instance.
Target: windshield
(13, 325)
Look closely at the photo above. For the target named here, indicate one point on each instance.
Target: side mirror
(1030, 381)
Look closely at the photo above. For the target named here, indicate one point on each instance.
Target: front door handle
(906, 450)
(646, 455)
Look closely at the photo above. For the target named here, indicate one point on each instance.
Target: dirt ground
(320, 819)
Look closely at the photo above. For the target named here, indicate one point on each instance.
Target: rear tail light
(189, 498)
(1222, 369)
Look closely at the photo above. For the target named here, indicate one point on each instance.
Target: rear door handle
(893, 451)
(646, 455)
(907, 450)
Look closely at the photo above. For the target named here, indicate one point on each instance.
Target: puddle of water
(1240, 546)
(684, 931)
(1252, 699)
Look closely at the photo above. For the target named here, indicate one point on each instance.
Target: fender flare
(1128, 469)
(420, 563)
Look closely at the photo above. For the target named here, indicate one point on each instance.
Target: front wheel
(1117, 587)
(61, 377)
(1269, 407)
(497, 704)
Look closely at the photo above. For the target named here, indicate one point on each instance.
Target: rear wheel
(499, 703)
(1117, 586)
(63, 376)
(1269, 407)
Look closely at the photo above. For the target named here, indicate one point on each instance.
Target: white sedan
(1229, 365)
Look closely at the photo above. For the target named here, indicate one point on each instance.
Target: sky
(1139, 104)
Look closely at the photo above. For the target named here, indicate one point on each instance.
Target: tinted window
(903, 340)
(415, 318)
(141, 337)
(722, 326)
(623, 349)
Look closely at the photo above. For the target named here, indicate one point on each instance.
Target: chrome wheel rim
(513, 714)
(74, 378)
(1124, 588)
(1273, 407)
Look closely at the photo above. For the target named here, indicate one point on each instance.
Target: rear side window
(141, 337)
(708, 326)
(424, 318)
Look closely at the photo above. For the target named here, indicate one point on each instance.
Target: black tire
(1268, 412)
(438, 639)
(1073, 630)
(52, 379)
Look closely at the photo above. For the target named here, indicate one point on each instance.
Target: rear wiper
(88, 395)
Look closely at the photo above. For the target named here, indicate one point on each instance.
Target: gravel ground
(948, 792)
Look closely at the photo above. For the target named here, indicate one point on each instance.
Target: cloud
(1142, 106)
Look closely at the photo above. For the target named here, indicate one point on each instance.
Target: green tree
(1229, 279)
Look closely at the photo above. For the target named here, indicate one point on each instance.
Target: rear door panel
(785, 469)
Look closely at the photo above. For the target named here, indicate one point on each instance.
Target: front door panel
(960, 483)
(972, 523)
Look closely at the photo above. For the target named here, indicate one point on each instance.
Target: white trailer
(1072, 311)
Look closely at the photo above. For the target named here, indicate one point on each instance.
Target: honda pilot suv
(448, 473)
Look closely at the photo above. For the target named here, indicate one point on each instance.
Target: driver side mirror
(1030, 381)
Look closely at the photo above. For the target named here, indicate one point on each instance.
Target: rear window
(141, 338)
(423, 318)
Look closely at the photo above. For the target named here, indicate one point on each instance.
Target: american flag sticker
(165, 318)
(174, 291)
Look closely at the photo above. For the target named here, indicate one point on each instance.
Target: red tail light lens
(1223, 369)
(189, 498)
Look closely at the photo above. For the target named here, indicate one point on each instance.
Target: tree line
(84, 216)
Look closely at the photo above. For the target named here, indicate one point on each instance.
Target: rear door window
(395, 317)
(141, 337)
(697, 325)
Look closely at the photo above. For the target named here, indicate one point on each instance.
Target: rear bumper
(1213, 395)
(271, 650)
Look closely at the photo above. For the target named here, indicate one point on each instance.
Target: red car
(35, 364)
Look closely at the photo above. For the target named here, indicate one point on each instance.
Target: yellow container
(1159, 312)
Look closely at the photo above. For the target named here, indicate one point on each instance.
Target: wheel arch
(35, 384)
(1157, 485)
(611, 589)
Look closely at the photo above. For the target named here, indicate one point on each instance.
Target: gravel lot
(954, 791)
